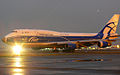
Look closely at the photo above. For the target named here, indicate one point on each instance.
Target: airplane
(35, 39)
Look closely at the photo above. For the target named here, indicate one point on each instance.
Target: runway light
(17, 49)
(118, 46)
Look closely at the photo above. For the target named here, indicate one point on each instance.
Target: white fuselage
(33, 37)
(31, 32)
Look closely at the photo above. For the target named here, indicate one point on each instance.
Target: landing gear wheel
(36, 48)
(69, 50)
(55, 50)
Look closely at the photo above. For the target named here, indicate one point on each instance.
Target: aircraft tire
(55, 50)
(69, 50)
(36, 48)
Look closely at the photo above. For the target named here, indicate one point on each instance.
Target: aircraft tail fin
(110, 27)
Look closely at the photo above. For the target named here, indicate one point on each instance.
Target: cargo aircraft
(35, 39)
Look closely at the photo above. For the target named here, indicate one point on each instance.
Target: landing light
(17, 49)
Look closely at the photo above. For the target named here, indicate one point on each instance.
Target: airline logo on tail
(110, 27)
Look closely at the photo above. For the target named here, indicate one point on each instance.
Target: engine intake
(71, 45)
(103, 44)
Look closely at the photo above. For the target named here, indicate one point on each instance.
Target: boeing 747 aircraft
(34, 38)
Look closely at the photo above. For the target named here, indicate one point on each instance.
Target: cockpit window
(14, 31)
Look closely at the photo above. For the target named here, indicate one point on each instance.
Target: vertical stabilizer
(110, 27)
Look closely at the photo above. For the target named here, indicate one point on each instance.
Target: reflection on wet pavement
(96, 64)
(17, 63)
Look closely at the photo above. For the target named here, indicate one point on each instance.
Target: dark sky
(59, 15)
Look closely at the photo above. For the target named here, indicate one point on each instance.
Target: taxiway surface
(37, 63)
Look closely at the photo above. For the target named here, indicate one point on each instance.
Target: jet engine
(71, 45)
(103, 44)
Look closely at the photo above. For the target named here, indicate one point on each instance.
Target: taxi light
(17, 49)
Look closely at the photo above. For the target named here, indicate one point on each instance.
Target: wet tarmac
(78, 63)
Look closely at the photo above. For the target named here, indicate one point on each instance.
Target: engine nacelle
(71, 45)
(103, 44)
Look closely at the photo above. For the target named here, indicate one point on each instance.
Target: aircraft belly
(42, 45)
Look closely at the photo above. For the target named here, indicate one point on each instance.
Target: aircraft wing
(84, 43)
(91, 41)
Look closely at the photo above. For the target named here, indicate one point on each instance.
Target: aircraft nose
(4, 39)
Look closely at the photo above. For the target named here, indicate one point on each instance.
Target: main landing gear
(64, 50)
(68, 50)
(55, 49)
